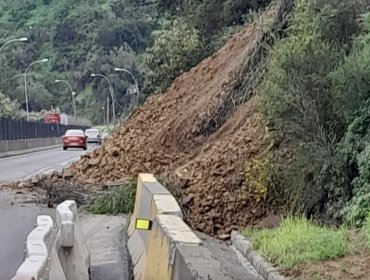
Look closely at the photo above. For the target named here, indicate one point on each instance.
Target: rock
(224, 236)
(185, 201)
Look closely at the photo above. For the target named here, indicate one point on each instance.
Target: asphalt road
(19, 167)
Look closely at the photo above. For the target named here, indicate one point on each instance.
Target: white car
(93, 136)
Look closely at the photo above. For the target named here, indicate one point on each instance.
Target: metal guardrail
(22, 129)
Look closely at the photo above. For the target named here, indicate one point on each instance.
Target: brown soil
(174, 136)
(353, 267)
(165, 137)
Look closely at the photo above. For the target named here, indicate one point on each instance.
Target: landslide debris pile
(193, 140)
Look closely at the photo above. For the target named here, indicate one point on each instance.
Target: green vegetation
(367, 229)
(155, 40)
(116, 200)
(315, 96)
(8, 108)
(297, 240)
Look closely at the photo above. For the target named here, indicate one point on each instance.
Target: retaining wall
(16, 147)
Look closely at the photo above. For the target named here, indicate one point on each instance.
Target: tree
(9, 108)
(176, 48)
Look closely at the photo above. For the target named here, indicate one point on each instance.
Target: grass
(366, 229)
(297, 240)
(117, 200)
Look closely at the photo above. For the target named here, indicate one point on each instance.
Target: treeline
(315, 98)
(155, 40)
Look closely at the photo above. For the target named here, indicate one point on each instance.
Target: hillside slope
(174, 135)
(198, 137)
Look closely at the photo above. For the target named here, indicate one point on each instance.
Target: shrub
(118, 200)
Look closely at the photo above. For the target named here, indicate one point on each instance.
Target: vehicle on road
(93, 135)
(74, 138)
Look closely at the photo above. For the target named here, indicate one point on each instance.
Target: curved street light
(111, 92)
(73, 93)
(133, 77)
(25, 82)
(23, 39)
(17, 76)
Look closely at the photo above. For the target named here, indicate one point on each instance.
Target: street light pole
(104, 122)
(23, 39)
(73, 93)
(25, 82)
(133, 77)
(111, 93)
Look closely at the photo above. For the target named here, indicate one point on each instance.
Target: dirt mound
(217, 199)
(180, 136)
(165, 132)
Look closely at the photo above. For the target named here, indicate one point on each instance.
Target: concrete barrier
(56, 252)
(170, 250)
(37, 251)
(17, 147)
(70, 243)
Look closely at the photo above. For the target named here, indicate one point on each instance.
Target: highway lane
(19, 167)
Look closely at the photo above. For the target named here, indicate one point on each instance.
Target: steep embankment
(199, 134)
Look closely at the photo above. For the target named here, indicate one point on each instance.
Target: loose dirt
(180, 137)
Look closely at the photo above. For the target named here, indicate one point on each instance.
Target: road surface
(19, 167)
(17, 219)
(16, 222)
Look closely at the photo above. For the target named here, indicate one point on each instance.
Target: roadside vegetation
(115, 200)
(304, 249)
(298, 240)
(315, 99)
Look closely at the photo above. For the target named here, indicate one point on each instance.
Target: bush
(177, 48)
(308, 93)
(297, 240)
(118, 200)
(9, 108)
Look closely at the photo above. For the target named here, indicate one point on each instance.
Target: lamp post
(73, 93)
(23, 39)
(133, 77)
(111, 92)
(17, 76)
(25, 82)
(104, 122)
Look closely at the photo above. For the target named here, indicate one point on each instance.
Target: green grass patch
(297, 240)
(366, 229)
(117, 200)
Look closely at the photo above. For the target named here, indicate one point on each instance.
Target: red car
(74, 138)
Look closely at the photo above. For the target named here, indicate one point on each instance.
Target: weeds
(118, 200)
(297, 240)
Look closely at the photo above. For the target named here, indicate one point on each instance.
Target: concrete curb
(264, 268)
(28, 151)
